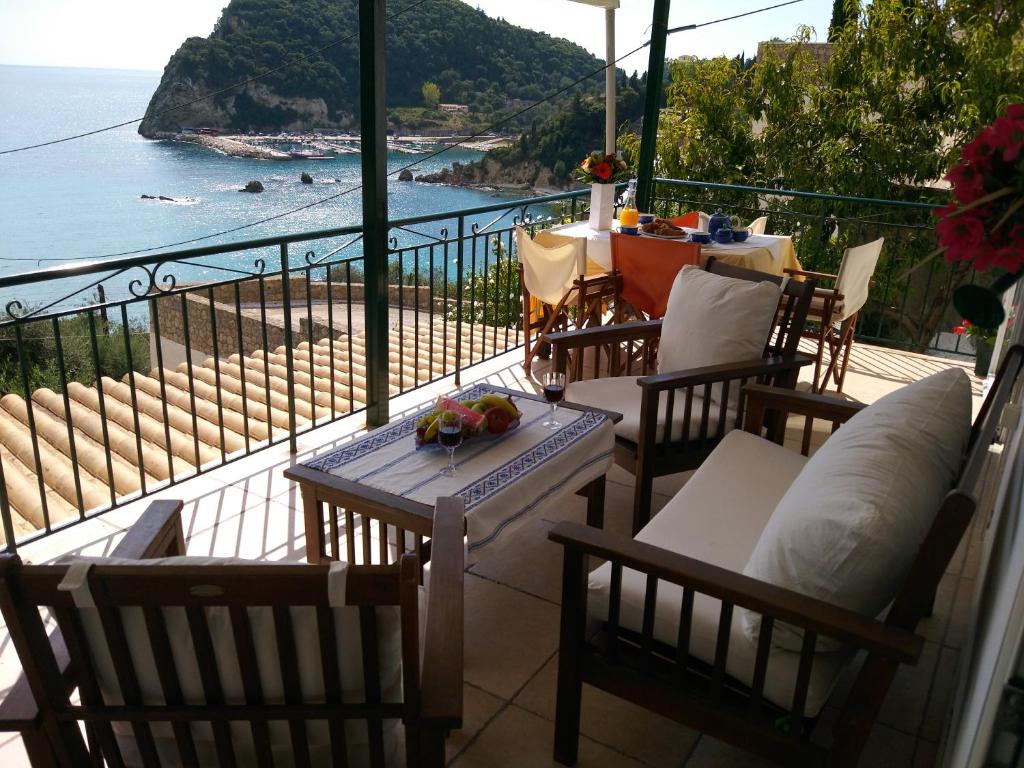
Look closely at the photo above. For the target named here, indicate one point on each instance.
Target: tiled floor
(248, 509)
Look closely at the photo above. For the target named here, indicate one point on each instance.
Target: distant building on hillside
(820, 52)
(454, 107)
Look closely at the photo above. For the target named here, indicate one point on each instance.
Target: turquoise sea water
(82, 198)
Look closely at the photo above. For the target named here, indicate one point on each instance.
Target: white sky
(142, 34)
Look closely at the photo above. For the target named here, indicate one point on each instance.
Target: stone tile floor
(248, 509)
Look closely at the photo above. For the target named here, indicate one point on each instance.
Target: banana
(431, 433)
(492, 400)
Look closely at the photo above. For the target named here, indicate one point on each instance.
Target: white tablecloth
(503, 480)
(779, 249)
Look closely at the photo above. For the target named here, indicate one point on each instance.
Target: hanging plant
(985, 226)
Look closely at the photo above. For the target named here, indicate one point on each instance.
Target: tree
(843, 12)
(431, 95)
(907, 84)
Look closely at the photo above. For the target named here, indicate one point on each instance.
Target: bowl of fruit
(488, 416)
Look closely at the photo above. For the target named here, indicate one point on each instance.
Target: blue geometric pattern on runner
(521, 465)
(381, 437)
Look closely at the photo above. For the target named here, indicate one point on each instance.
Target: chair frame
(590, 294)
(39, 707)
(634, 345)
(664, 679)
(839, 342)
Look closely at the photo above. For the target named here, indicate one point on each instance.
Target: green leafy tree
(907, 84)
(843, 12)
(431, 95)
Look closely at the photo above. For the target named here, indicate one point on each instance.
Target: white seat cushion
(850, 526)
(714, 320)
(307, 647)
(718, 520)
(622, 394)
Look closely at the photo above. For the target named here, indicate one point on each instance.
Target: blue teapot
(717, 221)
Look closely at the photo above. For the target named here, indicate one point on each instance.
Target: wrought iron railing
(146, 371)
(909, 305)
(143, 372)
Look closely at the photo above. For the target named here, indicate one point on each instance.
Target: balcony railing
(144, 372)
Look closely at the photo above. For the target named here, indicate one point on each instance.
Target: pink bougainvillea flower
(979, 150)
(968, 182)
(960, 236)
(1010, 258)
(959, 330)
(1015, 111)
(1008, 136)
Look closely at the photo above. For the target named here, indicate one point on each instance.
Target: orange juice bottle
(629, 216)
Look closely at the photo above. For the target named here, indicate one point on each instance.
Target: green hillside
(472, 58)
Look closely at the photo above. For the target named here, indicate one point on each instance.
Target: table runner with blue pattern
(503, 480)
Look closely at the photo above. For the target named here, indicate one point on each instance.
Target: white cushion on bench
(718, 520)
(307, 647)
(849, 527)
(622, 394)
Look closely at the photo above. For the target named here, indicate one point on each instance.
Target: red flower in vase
(602, 170)
(968, 182)
(959, 235)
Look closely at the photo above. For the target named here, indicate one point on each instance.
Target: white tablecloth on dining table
(765, 253)
(504, 480)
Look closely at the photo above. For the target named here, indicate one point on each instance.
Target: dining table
(765, 253)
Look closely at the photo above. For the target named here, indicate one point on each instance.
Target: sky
(142, 34)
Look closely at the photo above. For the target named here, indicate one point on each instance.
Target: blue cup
(723, 235)
(739, 235)
(629, 230)
(700, 237)
(646, 218)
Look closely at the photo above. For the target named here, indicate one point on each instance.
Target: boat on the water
(299, 155)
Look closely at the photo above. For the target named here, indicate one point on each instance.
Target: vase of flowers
(985, 225)
(984, 342)
(602, 172)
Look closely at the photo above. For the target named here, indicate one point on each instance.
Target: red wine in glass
(554, 391)
(449, 435)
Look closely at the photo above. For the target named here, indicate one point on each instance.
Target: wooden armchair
(179, 663)
(771, 706)
(679, 425)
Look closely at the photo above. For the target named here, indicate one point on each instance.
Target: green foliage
(908, 83)
(431, 95)
(493, 296)
(843, 12)
(492, 60)
(40, 351)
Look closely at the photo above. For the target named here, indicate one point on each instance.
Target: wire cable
(212, 94)
(430, 156)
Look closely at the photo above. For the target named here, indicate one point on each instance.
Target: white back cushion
(850, 525)
(261, 619)
(714, 320)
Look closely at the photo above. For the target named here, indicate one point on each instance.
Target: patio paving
(249, 509)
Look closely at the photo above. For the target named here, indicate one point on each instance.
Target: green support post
(652, 105)
(373, 130)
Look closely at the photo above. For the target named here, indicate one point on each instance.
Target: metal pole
(609, 81)
(652, 105)
(373, 131)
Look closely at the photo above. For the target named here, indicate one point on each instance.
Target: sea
(82, 199)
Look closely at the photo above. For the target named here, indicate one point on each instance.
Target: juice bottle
(629, 216)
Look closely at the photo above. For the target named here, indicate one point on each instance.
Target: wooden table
(335, 506)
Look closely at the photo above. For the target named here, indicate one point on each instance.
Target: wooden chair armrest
(712, 374)
(157, 533)
(761, 597)
(808, 273)
(789, 401)
(441, 696)
(606, 334)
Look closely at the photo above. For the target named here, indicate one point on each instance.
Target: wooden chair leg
(848, 345)
(569, 695)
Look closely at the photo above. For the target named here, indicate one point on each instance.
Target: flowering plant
(599, 168)
(981, 335)
(985, 224)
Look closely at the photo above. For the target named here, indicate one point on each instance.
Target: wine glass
(449, 434)
(554, 391)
